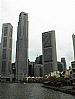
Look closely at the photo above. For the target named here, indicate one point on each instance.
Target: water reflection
(30, 91)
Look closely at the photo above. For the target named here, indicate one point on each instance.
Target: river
(30, 91)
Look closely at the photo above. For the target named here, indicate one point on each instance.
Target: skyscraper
(73, 63)
(73, 37)
(6, 42)
(22, 47)
(60, 66)
(49, 52)
(0, 58)
(63, 61)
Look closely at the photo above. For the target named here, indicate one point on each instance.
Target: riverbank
(65, 89)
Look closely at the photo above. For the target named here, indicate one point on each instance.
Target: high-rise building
(60, 66)
(63, 61)
(38, 60)
(73, 37)
(73, 63)
(38, 70)
(6, 42)
(22, 47)
(0, 58)
(49, 52)
(31, 69)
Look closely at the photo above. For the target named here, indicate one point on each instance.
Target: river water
(30, 91)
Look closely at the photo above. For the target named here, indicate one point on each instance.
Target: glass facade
(46, 40)
(49, 52)
(5, 42)
(6, 49)
(3, 66)
(48, 55)
(5, 31)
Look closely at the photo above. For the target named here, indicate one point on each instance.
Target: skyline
(52, 15)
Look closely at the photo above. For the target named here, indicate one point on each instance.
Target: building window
(11, 32)
(3, 66)
(9, 54)
(3, 56)
(9, 67)
(4, 41)
(73, 75)
(48, 55)
(74, 70)
(4, 51)
(47, 42)
(24, 14)
(10, 43)
(73, 65)
(5, 31)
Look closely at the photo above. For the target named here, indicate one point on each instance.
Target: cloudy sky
(43, 15)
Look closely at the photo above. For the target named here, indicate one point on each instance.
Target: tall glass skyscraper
(73, 37)
(49, 52)
(6, 45)
(22, 47)
(73, 63)
(63, 61)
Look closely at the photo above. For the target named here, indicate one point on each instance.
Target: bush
(52, 78)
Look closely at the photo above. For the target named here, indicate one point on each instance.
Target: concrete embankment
(61, 89)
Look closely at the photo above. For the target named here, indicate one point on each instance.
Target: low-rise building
(55, 73)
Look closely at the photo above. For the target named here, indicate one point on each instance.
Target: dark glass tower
(6, 46)
(63, 61)
(49, 52)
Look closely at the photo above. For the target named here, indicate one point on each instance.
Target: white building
(49, 52)
(6, 50)
(55, 73)
(22, 47)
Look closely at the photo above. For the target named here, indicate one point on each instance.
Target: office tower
(63, 61)
(60, 66)
(39, 60)
(22, 47)
(73, 37)
(38, 70)
(49, 52)
(0, 58)
(31, 69)
(6, 50)
(73, 63)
